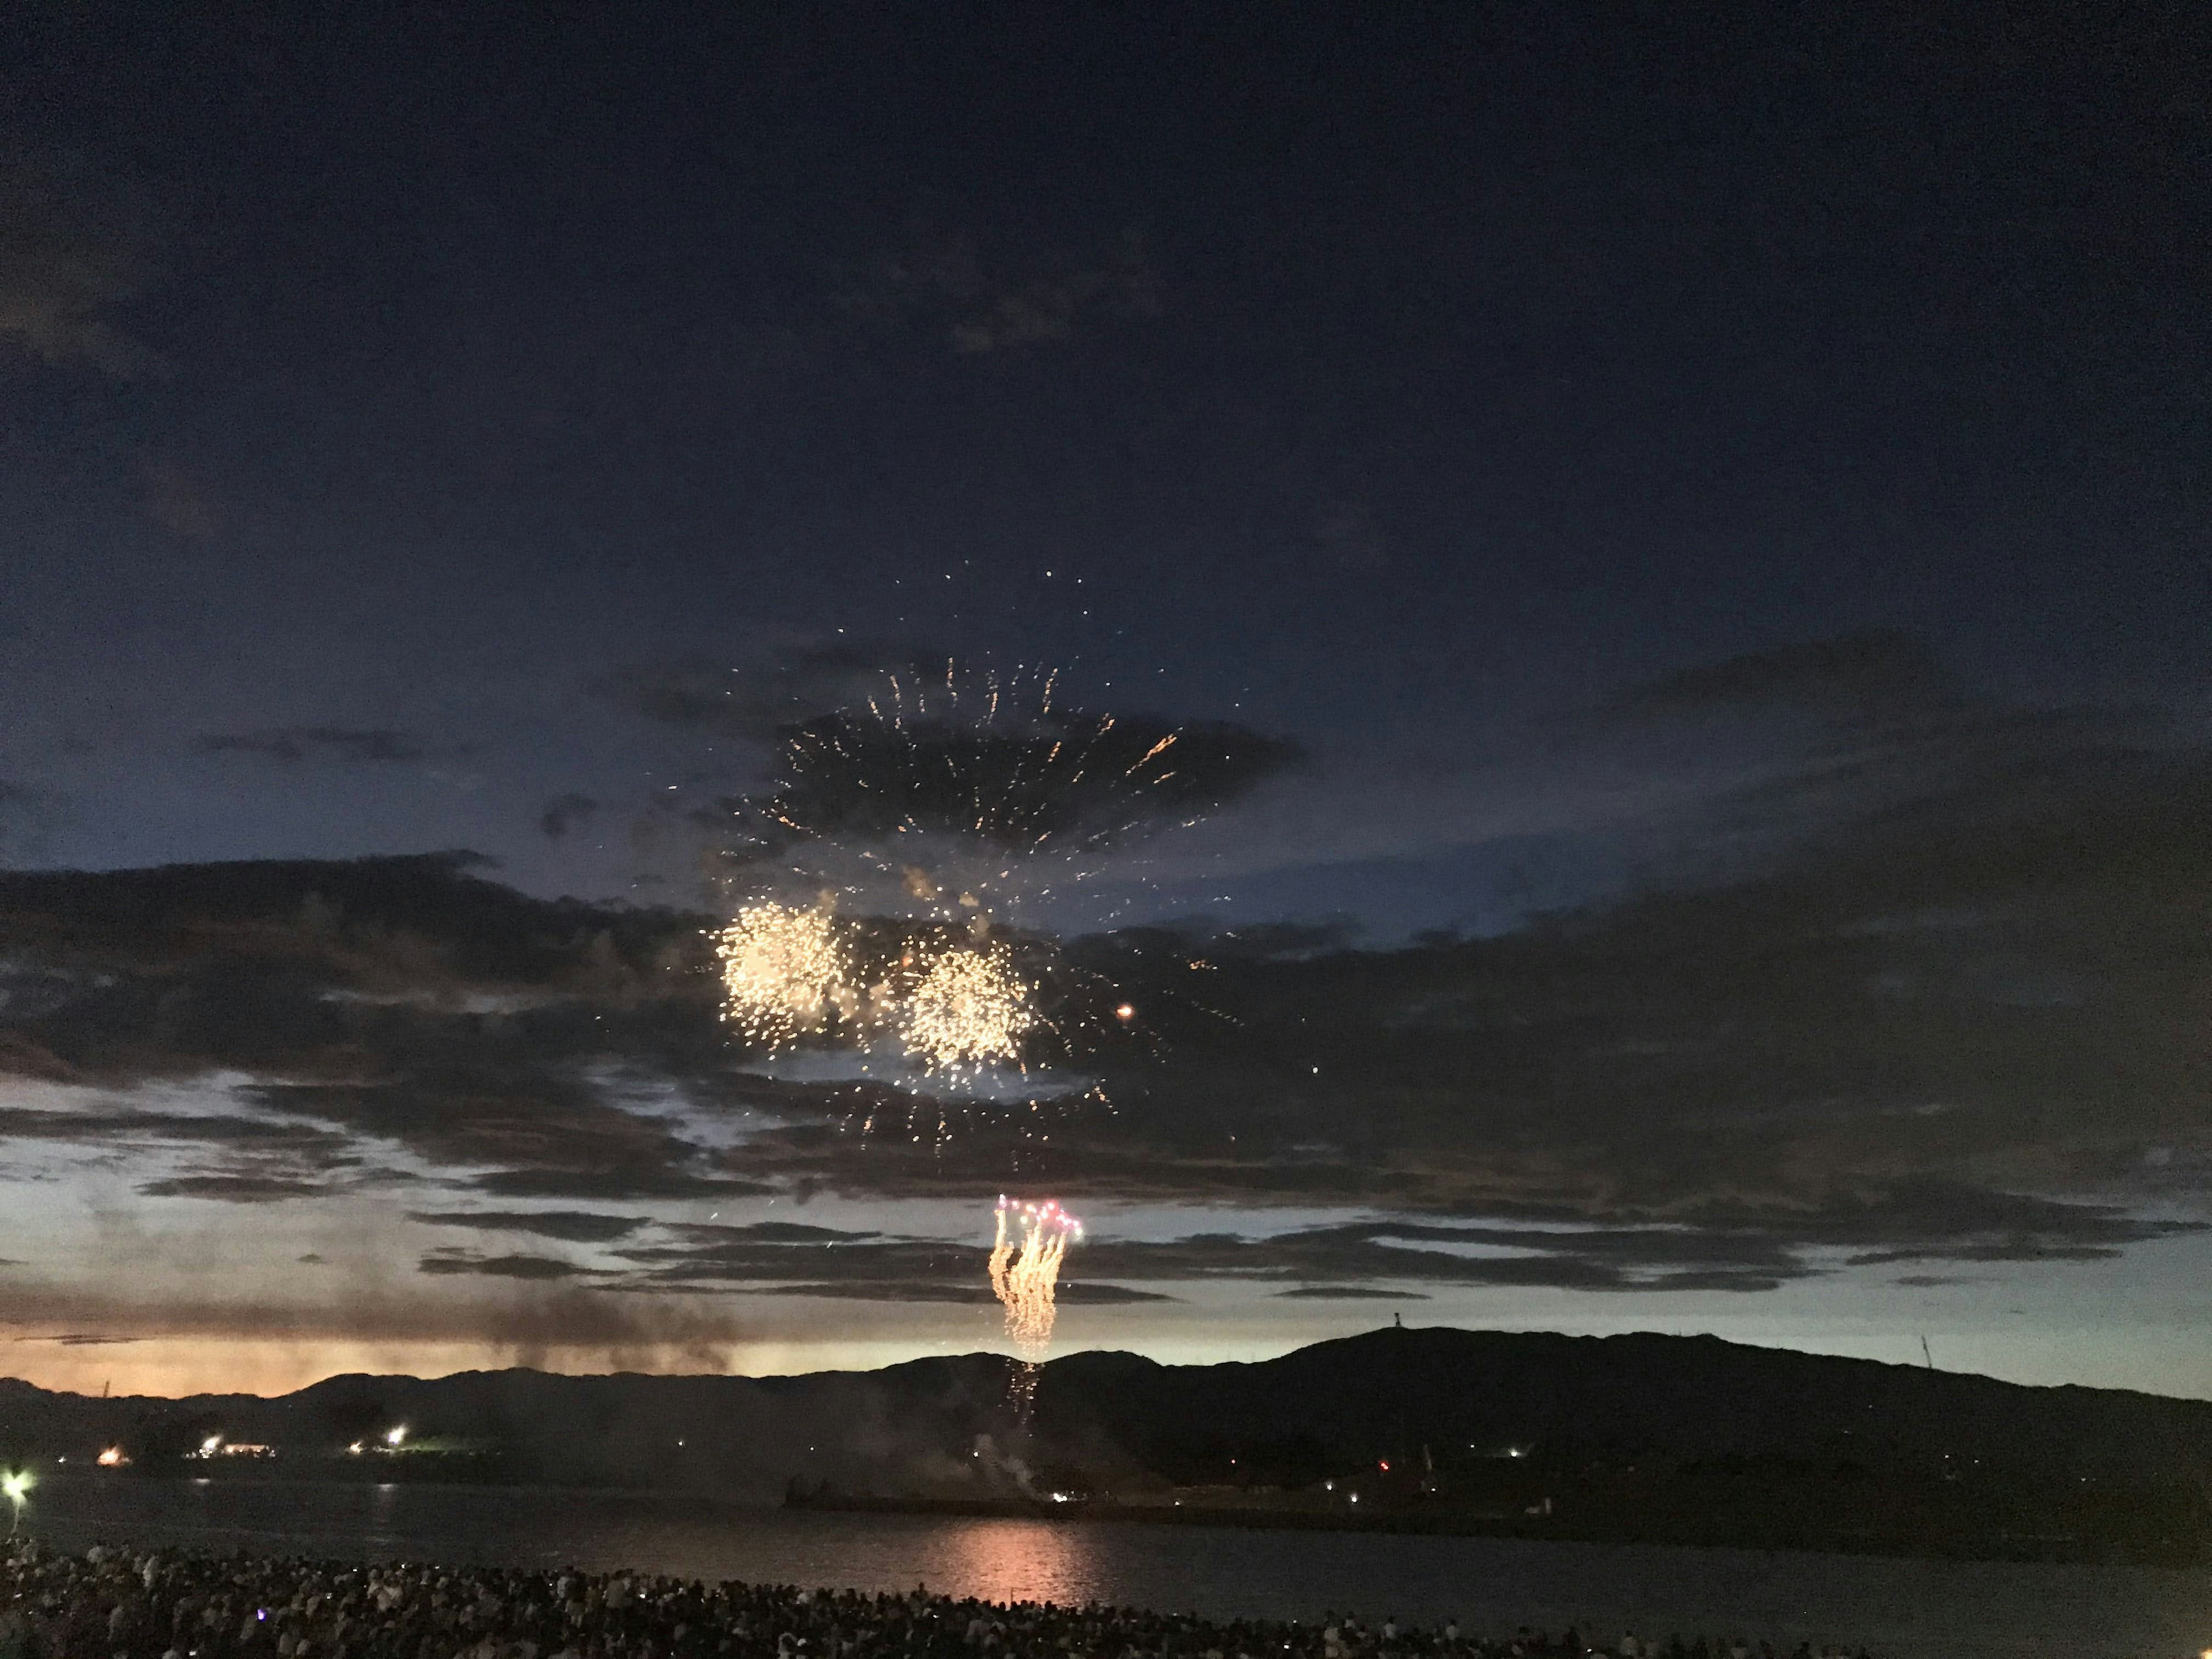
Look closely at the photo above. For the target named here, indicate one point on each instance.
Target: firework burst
(785, 970)
(959, 793)
(947, 812)
(967, 1009)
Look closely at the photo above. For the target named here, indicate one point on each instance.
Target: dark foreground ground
(114, 1602)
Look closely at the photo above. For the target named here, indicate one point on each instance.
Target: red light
(1384, 1465)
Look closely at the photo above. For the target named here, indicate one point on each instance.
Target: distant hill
(1646, 1435)
(1385, 1393)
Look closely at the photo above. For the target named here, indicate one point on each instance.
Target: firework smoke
(1031, 1242)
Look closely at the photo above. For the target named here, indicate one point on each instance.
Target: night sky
(1671, 540)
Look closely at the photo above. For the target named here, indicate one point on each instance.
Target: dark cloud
(237, 1188)
(328, 742)
(772, 692)
(1364, 1254)
(531, 1267)
(613, 1185)
(1065, 775)
(1349, 1293)
(1869, 673)
(868, 1268)
(1088, 1293)
(1259, 941)
(557, 1136)
(768, 1232)
(1071, 1294)
(885, 1290)
(114, 1126)
(565, 812)
(575, 1226)
(1961, 1027)
(873, 741)
(1008, 298)
(740, 1255)
(84, 1340)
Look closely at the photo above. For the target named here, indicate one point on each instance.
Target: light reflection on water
(1902, 1609)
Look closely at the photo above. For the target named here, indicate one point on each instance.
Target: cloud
(1852, 674)
(555, 1135)
(565, 812)
(873, 742)
(293, 744)
(529, 1267)
(608, 1186)
(1023, 299)
(1073, 1294)
(233, 1189)
(866, 1266)
(84, 1340)
(104, 1124)
(521, 1322)
(772, 1232)
(1349, 1293)
(780, 685)
(1959, 1024)
(1093, 779)
(574, 1226)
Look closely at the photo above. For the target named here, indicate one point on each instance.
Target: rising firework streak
(1032, 1240)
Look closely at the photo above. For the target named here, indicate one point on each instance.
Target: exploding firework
(784, 970)
(967, 1009)
(971, 791)
(1032, 1240)
(950, 812)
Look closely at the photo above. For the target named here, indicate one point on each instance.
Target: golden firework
(1031, 1242)
(967, 1009)
(783, 970)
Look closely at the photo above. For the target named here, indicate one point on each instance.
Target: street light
(16, 1487)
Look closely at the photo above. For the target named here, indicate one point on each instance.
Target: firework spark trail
(1031, 1242)
(783, 971)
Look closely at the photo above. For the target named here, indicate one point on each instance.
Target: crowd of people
(117, 1603)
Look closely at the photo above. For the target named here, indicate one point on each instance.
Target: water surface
(1907, 1609)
